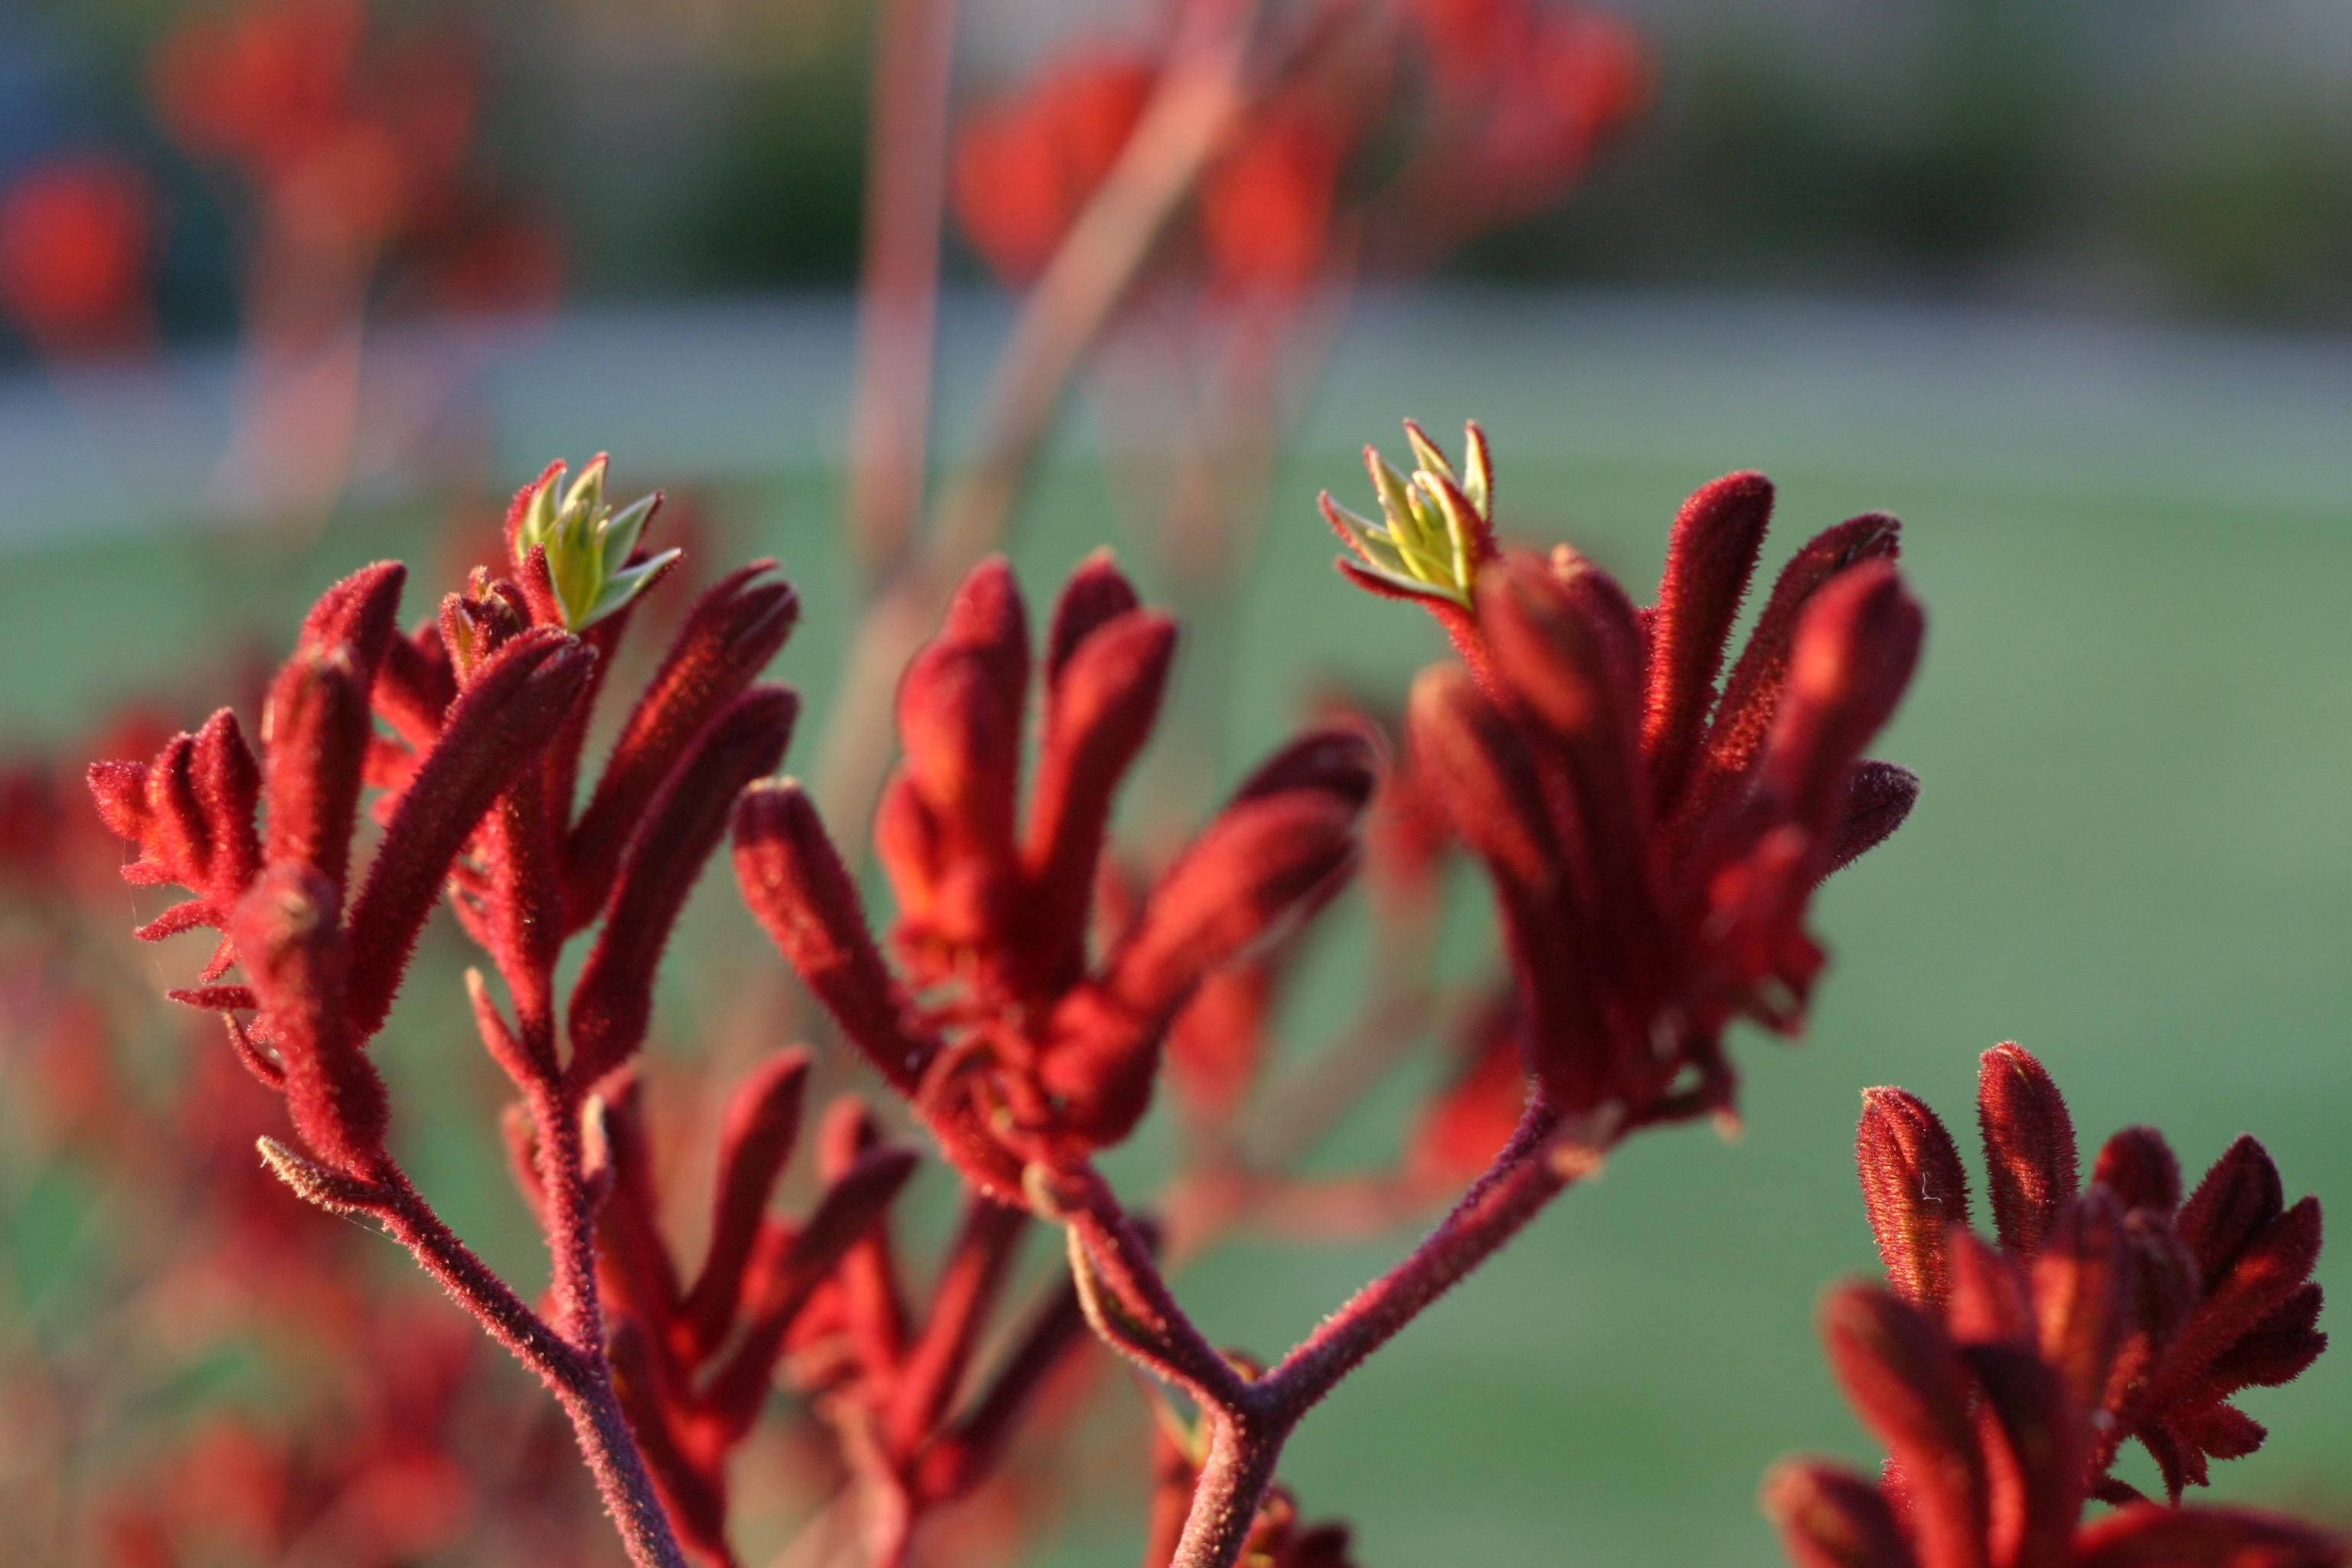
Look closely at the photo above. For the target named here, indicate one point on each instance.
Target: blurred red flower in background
(77, 235)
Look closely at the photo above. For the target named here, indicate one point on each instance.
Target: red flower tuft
(1987, 1447)
(1032, 1050)
(2158, 1311)
(1655, 845)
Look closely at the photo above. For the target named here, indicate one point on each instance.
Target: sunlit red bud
(2145, 1535)
(960, 712)
(1829, 1518)
(1104, 699)
(317, 724)
(513, 704)
(1709, 560)
(2137, 1165)
(727, 638)
(1916, 1190)
(1911, 1388)
(2028, 1142)
(415, 685)
(756, 1137)
(315, 738)
(293, 958)
(613, 1003)
(794, 881)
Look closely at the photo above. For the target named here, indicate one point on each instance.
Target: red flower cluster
(1027, 1051)
(2157, 1311)
(1653, 842)
(77, 237)
(1990, 1444)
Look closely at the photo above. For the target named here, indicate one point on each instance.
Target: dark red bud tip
(1567, 648)
(1878, 800)
(2028, 1142)
(1915, 1188)
(762, 1124)
(1104, 701)
(1831, 1518)
(1097, 593)
(293, 957)
(794, 881)
(2137, 1165)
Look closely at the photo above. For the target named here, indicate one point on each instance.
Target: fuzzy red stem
(579, 1377)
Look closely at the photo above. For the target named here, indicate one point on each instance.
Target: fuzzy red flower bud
(293, 957)
(613, 1003)
(2029, 1141)
(728, 637)
(1716, 538)
(1914, 1189)
(757, 1135)
(2137, 1165)
(513, 704)
(803, 896)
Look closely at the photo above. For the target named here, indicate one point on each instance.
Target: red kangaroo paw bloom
(1993, 1453)
(2155, 1311)
(1654, 845)
(1033, 1051)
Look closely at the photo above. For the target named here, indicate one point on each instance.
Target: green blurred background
(2062, 287)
